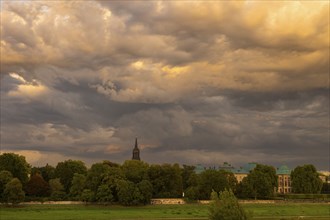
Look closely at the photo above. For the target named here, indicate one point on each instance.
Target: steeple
(136, 151)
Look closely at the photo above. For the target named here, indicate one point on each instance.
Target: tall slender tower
(136, 151)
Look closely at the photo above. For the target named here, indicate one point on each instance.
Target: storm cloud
(195, 81)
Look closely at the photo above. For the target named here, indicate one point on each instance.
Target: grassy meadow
(280, 211)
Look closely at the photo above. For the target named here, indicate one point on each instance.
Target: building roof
(240, 171)
(199, 168)
(283, 170)
(246, 169)
(249, 166)
(226, 166)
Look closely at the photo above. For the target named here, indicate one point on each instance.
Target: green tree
(231, 181)
(78, 185)
(192, 192)
(130, 193)
(110, 164)
(65, 171)
(305, 179)
(47, 172)
(226, 207)
(126, 192)
(57, 190)
(56, 185)
(135, 170)
(145, 188)
(104, 194)
(13, 192)
(260, 183)
(111, 179)
(16, 165)
(87, 196)
(186, 173)
(96, 174)
(166, 180)
(5, 177)
(245, 189)
(211, 180)
(136, 183)
(156, 178)
(37, 186)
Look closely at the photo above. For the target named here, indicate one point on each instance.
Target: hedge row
(306, 196)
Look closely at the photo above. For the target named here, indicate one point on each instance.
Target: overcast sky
(196, 82)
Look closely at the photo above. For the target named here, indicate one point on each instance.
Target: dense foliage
(261, 182)
(200, 186)
(56, 189)
(16, 165)
(135, 182)
(37, 186)
(47, 172)
(226, 207)
(13, 192)
(305, 179)
(5, 177)
(77, 186)
(66, 170)
(166, 180)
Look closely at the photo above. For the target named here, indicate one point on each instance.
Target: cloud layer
(197, 82)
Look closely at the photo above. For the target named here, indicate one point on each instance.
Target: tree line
(136, 182)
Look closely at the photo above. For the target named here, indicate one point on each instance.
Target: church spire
(136, 151)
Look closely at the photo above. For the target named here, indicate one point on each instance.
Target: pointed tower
(136, 151)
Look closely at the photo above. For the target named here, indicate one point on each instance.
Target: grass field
(281, 211)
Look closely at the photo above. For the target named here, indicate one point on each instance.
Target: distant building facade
(324, 176)
(283, 174)
(284, 179)
(136, 151)
(242, 172)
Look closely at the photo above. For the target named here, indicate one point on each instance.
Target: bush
(87, 196)
(324, 197)
(58, 196)
(226, 207)
(13, 192)
(5, 177)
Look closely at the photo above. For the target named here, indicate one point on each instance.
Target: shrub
(307, 196)
(13, 192)
(87, 196)
(226, 207)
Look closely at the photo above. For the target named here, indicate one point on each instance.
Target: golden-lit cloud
(284, 37)
(82, 78)
(175, 71)
(27, 89)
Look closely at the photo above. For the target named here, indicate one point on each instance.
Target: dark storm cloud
(297, 130)
(193, 82)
